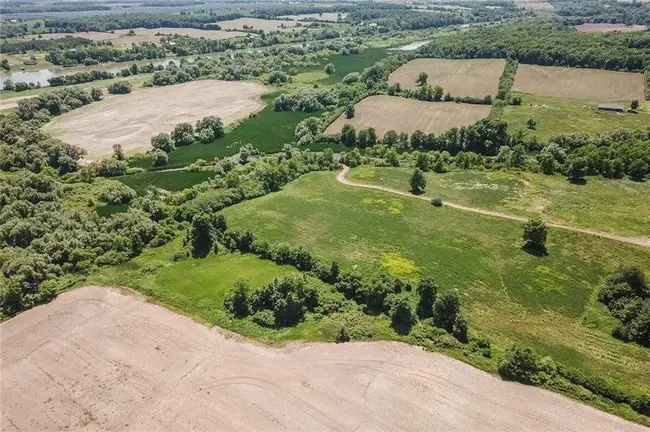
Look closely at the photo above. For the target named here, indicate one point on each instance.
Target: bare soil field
(534, 5)
(459, 77)
(257, 24)
(603, 27)
(408, 115)
(120, 37)
(574, 83)
(97, 359)
(132, 119)
(326, 16)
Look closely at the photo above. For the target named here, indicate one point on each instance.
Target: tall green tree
(418, 182)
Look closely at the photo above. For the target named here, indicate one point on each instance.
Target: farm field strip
(132, 119)
(258, 24)
(606, 27)
(576, 83)
(477, 77)
(408, 115)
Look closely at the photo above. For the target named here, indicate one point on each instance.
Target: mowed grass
(168, 180)
(548, 302)
(201, 296)
(557, 116)
(601, 204)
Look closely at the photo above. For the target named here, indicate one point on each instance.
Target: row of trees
(93, 54)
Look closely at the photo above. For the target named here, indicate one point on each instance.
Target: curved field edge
(549, 303)
(610, 206)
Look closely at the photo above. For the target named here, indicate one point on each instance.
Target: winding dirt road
(639, 241)
(96, 359)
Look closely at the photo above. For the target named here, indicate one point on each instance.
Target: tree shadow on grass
(578, 182)
(535, 250)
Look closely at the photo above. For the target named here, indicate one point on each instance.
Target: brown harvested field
(96, 359)
(575, 83)
(132, 119)
(478, 77)
(326, 16)
(120, 37)
(603, 27)
(257, 24)
(534, 5)
(408, 115)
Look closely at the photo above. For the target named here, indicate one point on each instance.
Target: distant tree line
(546, 45)
(93, 54)
(580, 12)
(66, 43)
(14, 8)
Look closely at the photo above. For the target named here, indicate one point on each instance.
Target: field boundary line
(639, 241)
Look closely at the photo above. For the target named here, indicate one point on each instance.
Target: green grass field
(268, 131)
(556, 116)
(601, 204)
(548, 302)
(157, 275)
(343, 65)
(168, 180)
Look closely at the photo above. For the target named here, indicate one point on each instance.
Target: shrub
(418, 182)
(436, 202)
(264, 318)
(329, 69)
(236, 301)
(402, 315)
(120, 87)
(535, 233)
(427, 291)
(159, 158)
(163, 142)
(343, 335)
(519, 364)
(117, 193)
(445, 309)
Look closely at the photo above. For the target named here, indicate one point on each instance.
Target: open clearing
(132, 119)
(257, 24)
(534, 5)
(604, 27)
(592, 84)
(601, 204)
(557, 116)
(459, 77)
(98, 359)
(326, 16)
(408, 115)
(546, 302)
(120, 37)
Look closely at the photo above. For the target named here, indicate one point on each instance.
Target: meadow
(477, 77)
(601, 204)
(408, 115)
(546, 302)
(168, 180)
(344, 64)
(592, 84)
(557, 116)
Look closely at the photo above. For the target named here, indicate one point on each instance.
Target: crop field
(325, 16)
(345, 64)
(132, 119)
(557, 116)
(408, 115)
(121, 37)
(102, 348)
(592, 84)
(459, 77)
(601, 204)
(168, 180)
(547, 302)
(605, 27)
(257, 24)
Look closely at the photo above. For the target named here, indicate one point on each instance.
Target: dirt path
(639, 241)
(96, 359)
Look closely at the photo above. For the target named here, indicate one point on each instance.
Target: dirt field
(256, 24)
(131, 120)
(326, 16)
(534, 5)
(407, 115)
(591, 84)
(145, 35)
(459, 77)
(95, 359)
(601, 28)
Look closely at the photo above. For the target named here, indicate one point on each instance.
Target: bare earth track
(639, 241)
(132, 119)
(96, 359)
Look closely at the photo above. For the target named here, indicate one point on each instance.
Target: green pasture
(343, 65)
(168, 180)
(600, 204)
(556, 116)
(547, 302)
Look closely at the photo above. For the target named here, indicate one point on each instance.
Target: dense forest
(613, 12)
(546, 45)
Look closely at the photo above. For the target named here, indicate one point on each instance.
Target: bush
(445, 309)
(163, 142)
(535, 233)
(120, 87)
(519, 364)
(264, 318)
(418, 182)
(343, 335)
(117, 193)
(236, 301)
(436, 202)
(402, 315)
(159, 157)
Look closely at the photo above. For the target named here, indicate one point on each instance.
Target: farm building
(611, 107)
